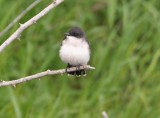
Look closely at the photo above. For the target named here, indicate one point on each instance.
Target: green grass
(125, 46)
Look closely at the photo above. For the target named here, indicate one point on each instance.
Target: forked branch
(20, 16)
(30, 22)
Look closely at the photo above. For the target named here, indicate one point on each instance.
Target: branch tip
(92, 67)
(14, 85)
(20, 24)
(19, 37)
(104, 114)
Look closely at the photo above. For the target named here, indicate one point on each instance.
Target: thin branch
(41, 74)
(104, 114)
(30, 22)
(19, 16)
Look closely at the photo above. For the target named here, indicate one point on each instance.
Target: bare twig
(104, 114)
(20, 16)
(41, 74)
(30, 22)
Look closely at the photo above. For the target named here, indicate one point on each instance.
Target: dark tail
(77, 72)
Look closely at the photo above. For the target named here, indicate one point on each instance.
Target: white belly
(75, 51)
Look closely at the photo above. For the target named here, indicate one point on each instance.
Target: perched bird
(75, 50)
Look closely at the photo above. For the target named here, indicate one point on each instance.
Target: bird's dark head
(76, 32)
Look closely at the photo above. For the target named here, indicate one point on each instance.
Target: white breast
(74, 51)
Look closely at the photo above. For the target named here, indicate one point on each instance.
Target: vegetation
(124, 38)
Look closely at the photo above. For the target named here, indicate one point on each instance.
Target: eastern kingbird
(75, 50)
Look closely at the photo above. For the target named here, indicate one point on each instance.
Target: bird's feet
(78, 72)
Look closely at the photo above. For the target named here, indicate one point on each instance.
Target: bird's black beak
(66, 34)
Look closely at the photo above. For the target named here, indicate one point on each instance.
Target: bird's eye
(75, 34)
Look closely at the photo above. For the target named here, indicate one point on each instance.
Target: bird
(75, 50)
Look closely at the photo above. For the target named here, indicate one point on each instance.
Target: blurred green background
(125, 44)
